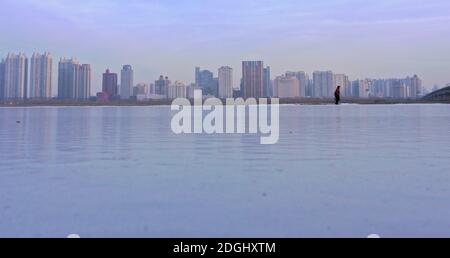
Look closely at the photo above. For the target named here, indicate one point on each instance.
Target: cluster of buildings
(164, 88)
(23, 78)
(324, 83)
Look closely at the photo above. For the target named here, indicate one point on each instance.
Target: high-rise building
(303, 80)
(83, 90)
(379, 88)
(109, 84)
(310, 88)
(267, 83)
(355, 89)
(418, 82)
(414, 85)
(399, 89)
(206, 81)
(225, 82)
(68, 73)
(252, 79)
(177, 90)
(126, 81)
(342, 80)
(141, 89)
(2, 78)
(215, 91)
(161, 86)
(41, 67)
(286, 86)
(74, 80)
(197, 75)
(360, 89)
(370, 85)
(323, 84)
(15, 76)
(190, 89)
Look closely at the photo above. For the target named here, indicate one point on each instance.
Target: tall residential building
(399, 89)
(126, 81)
(379, 88)
(74, 80)
(161, 86)
(252, 79)
(41, 67)
(267, 83)
(342, 80)
(2, 77)
(205, 80)
(419, 86)
(303, 80)
(141, 89)
(323, 84)
(355, 89)
(177, 90)
(215, 87)
(414, 85)
(190, 89)
(68, 73)
(15, 76)
(109, 84)
(360, 89)
(83, 90)
(225, 82)
(286, 86)
(197, 75)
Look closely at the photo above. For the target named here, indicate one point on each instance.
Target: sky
(363, 39)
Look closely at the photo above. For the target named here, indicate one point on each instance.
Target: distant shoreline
(298, 101)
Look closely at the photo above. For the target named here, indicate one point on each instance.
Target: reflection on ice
(349, 170)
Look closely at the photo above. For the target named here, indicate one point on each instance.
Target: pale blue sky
(384, 38)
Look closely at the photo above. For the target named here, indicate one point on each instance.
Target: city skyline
(363, 40)
(300, 74)
(74, 82)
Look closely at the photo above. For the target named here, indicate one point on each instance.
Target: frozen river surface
(350, 170)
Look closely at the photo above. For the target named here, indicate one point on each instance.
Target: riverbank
(299, 101)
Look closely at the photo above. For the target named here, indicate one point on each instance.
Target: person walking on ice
(337, 95)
